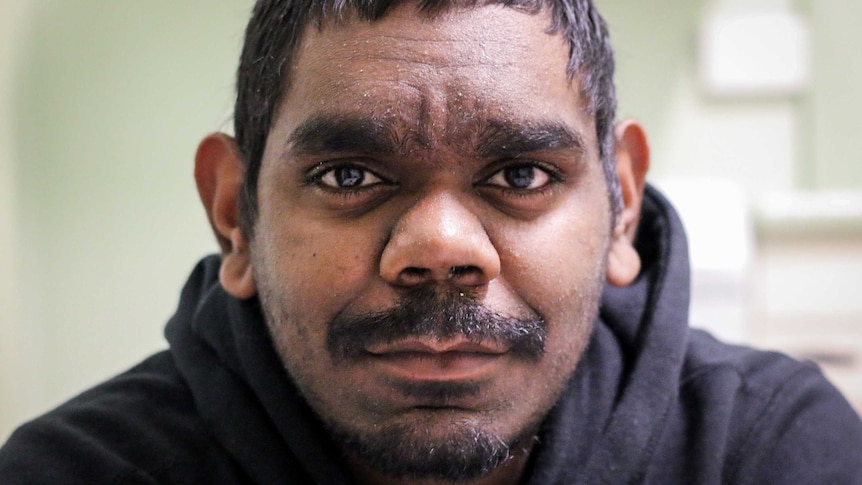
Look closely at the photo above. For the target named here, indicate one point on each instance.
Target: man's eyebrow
(497, 139)
(503, 139)
(341, 134)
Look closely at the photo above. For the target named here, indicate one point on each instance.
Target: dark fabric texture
(650, 402)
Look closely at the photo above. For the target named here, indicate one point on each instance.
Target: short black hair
(276, 28)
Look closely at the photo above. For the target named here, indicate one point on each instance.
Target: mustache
(431, 314)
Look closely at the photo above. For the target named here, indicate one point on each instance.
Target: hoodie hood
(615, 405)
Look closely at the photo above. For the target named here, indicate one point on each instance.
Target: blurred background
(751, 106)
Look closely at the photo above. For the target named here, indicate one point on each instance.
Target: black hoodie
(651, 401)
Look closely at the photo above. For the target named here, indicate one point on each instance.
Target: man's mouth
(425, 325)
(431, 360)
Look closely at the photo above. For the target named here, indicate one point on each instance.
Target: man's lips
(429, 360)
(437, 347)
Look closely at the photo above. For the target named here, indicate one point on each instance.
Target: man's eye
(520, 177)
(348, 178)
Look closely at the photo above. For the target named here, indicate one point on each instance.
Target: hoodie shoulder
(139, 427)
(773, 419)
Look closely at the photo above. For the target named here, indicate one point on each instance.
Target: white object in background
(754, 52)
(717, 221)
(811, 211)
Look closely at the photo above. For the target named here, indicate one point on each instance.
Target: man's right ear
(219, 176)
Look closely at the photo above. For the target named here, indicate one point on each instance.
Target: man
(440, 263)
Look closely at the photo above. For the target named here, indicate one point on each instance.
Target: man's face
(432, 233)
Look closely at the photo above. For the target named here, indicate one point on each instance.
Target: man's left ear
(632, 154)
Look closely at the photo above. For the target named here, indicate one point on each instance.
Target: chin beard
(410, 451)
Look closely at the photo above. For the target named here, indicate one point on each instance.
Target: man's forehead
(408, 49)
(454, 78)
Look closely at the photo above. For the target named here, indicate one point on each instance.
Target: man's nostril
(456, 271)
(414, 272)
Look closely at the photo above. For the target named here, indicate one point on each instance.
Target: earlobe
(633, 159)
(624, 263)
(236, 275)
(219, 176)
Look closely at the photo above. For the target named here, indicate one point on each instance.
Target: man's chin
(431, 448)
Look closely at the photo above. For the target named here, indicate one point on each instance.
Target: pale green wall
(16, 389)
(835, 103)
(656, 46)
(110, 101)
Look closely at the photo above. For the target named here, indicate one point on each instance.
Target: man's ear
(219, 176)
(632, 153)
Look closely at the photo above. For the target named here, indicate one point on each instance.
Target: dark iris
(520, 177)
(349, 176)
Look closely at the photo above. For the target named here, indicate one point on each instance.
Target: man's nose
(439, 240)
